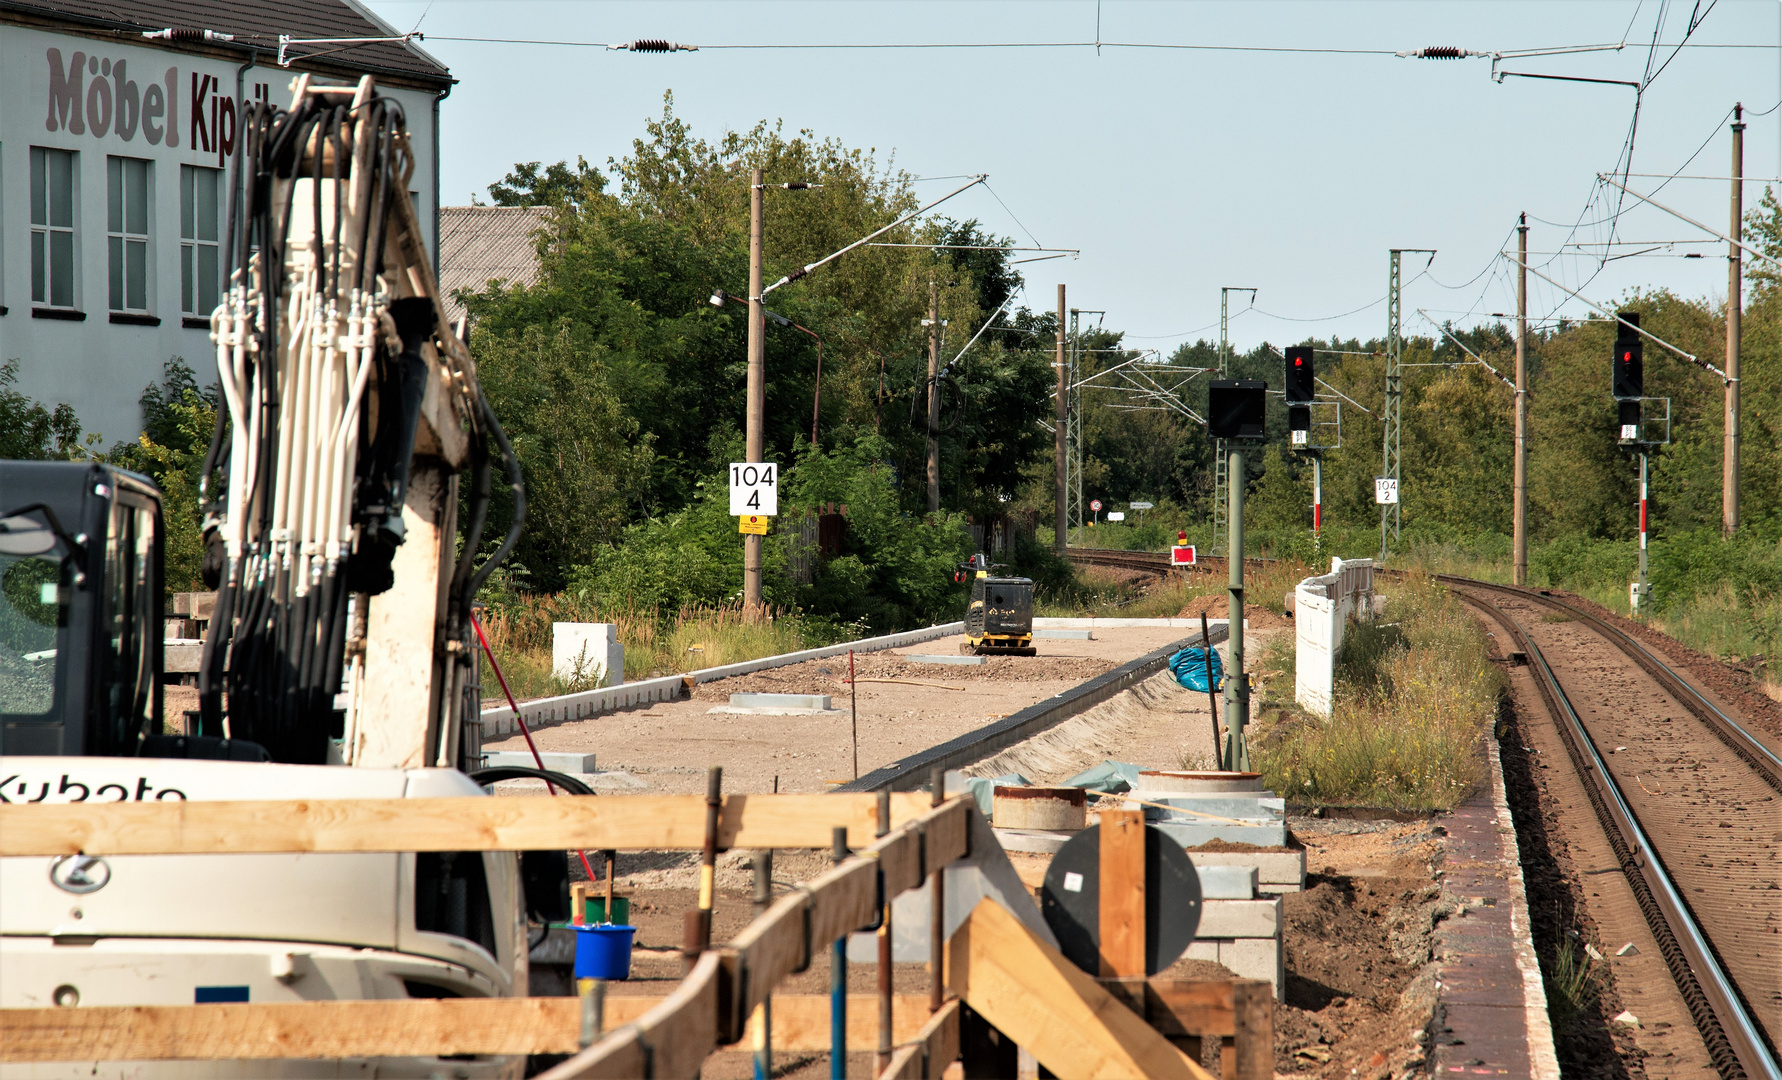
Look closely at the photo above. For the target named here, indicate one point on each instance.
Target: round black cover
(1172, 900)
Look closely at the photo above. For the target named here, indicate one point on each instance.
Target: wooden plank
(1181, 1007)
(1030, 992)
(307, 1029)
(672, 1040)
(625, 822)
(801, 1021)
(1254, 1004)
(905, 1064)
(926, 1054)
(1122, 898)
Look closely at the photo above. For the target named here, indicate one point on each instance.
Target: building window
(198, 276)
(127, 227)
(52, 227)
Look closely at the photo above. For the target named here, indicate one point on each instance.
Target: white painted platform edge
(1542, 1056)
(500, 720)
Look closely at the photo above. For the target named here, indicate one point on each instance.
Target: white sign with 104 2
(754, 488)
(1386, 490)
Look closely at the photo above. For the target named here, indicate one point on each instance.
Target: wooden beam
(1122, 898)
(625, 822)
(670, 1041)
(307, 1029)
(399, 1028)
(1031, 993)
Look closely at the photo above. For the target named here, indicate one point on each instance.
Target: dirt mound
(1218, 607)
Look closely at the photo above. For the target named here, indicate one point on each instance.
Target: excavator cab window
(126, 667)
(34, 582)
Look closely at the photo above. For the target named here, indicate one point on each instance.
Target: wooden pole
(933, 397)
(756, 408)
(886, 969)
(1122, 895)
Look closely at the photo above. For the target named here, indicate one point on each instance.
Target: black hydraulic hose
(210, 665)
(494, 774)
(517, 484)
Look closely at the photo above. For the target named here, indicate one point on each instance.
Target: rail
(1733, 1036)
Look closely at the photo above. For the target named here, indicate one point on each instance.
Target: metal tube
(1317, 494)
(1060, 433)
(763, 866)
(757, 402)
(1644, 523)
(1237, 689)
(838, 979)
(937, 894)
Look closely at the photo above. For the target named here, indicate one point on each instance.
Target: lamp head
(719, 296)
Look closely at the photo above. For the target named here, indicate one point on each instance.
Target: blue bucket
(603, 952)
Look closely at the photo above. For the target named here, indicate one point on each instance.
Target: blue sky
(1180, 171)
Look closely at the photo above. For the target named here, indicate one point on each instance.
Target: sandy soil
(669, 745)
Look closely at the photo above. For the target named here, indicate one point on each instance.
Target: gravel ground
(669, 745)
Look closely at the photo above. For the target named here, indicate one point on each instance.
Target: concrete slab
(1240, 918)
(1273, 868)
(1227, 882)
(956, 661)
(1066, 635)
(1033, 841)
(781, 701)
(1255, 958)
(1205, 832)
(554, 761)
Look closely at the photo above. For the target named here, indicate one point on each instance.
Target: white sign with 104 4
(754, 488)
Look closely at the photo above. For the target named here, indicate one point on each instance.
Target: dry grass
(519, 632)
(1105, 592)
(1415, 698)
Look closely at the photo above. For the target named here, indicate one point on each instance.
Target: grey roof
(478, 244)
(256, 24)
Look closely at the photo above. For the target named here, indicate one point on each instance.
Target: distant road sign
(1095, 504)
(1138, 506)
(1181, 555)
(1386, 490)
(1116, 515)
(754, 488)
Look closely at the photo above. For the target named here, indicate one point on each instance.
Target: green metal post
(1237, 682)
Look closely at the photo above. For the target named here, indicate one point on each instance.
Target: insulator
(1441, 52)
(655, 45)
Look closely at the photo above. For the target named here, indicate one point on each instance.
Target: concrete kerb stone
(1240, 918)
(555, 710)
(1274, 869)
(1227, 882)
(954, 661)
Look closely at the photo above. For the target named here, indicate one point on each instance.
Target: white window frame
(44, 257)
(193, 244)
(127, 243)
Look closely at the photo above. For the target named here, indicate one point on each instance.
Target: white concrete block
(1272, 867)
(1227, 882)
(1202, 950)
(1256, 958)
(588, 649)
(1240, 918)
(780, 701)
(956, 661)
(1066, 635)
(555, 762)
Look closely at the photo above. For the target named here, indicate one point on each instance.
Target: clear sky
(1178, 171)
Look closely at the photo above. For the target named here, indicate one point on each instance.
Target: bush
(1414, 701)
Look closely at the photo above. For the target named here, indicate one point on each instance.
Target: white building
(115, 147)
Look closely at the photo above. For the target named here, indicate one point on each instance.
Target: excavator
(339, 661)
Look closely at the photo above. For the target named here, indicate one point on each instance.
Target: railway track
(1689, 803)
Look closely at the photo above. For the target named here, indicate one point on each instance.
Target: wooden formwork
(1074, 1024)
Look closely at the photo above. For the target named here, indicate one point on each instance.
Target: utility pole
(1392, 415)
(1729, 466)
(1519, 545)
(1060, 433)
(933, 396)
(757, 406)
(1074, 444)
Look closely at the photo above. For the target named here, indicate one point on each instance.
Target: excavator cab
(80, 609)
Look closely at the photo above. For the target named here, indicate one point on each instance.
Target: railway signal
(1236, 412)
(1630, 358)
(1300, 394)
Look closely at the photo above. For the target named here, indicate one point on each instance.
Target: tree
(30, 431)
(555, 185)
